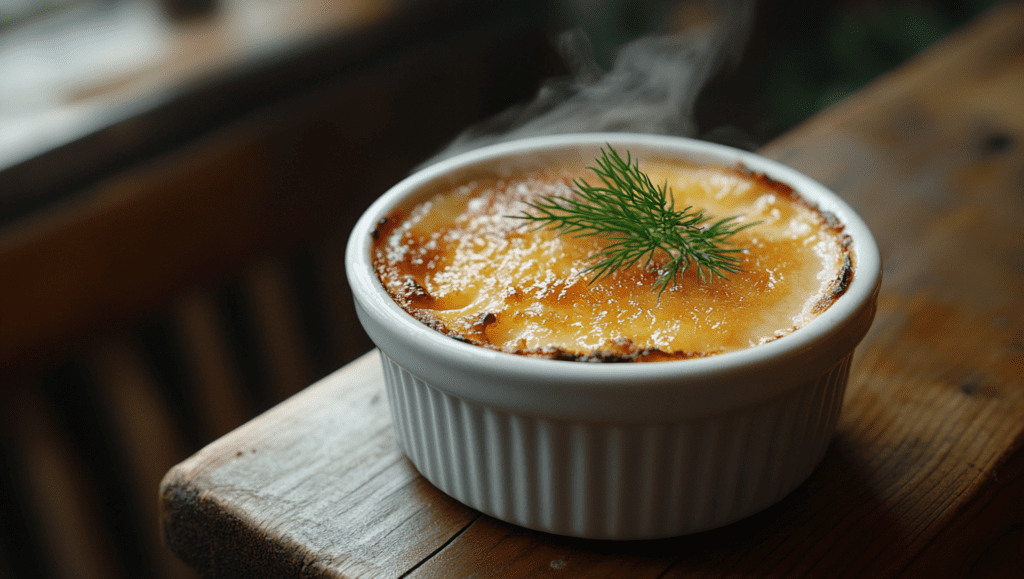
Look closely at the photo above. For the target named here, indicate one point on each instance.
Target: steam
(652, 86)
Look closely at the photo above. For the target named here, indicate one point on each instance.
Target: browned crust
(838, 287)
(845, 276)
(623, 350)
(414, 298)
(784, 190)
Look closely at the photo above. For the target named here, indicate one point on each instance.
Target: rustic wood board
(925, 475)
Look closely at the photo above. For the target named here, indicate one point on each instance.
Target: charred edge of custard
(839, 285)
(600, 356)
(376, 233)
(623, 350)
(780, 188)
(478, 327)
(387, 225)
(408, 293)
(845, 275)
(604, 357)
(431, 321)
(777, 186)
(843, 279)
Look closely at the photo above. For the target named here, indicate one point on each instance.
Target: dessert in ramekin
(628, 450)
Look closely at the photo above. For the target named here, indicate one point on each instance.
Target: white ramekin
(614, 451)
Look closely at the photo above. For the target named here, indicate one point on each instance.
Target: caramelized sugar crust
(461, 264)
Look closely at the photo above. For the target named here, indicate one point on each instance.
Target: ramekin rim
(862, 290)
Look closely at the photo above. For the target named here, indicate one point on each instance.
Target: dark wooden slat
(162, 343)
(311, 305)
(142, 421)
(62, 496)
(85, 422)
(21, 546)
(215, 384)
(282, 342)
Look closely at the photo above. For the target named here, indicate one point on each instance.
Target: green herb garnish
(639, 220)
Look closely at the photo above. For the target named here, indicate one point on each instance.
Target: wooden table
(925, 476)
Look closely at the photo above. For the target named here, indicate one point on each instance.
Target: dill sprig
(639, 220)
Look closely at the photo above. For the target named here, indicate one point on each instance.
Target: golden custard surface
(459, 263)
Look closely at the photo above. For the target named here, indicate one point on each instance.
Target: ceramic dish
(614, 451)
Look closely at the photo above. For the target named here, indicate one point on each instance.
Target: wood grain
(923, 478)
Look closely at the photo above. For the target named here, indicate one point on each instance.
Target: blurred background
(178, 179)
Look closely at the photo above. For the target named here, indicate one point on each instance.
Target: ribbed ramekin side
(605, 481)
(788, 438)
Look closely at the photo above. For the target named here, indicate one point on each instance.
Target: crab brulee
(468, 261)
